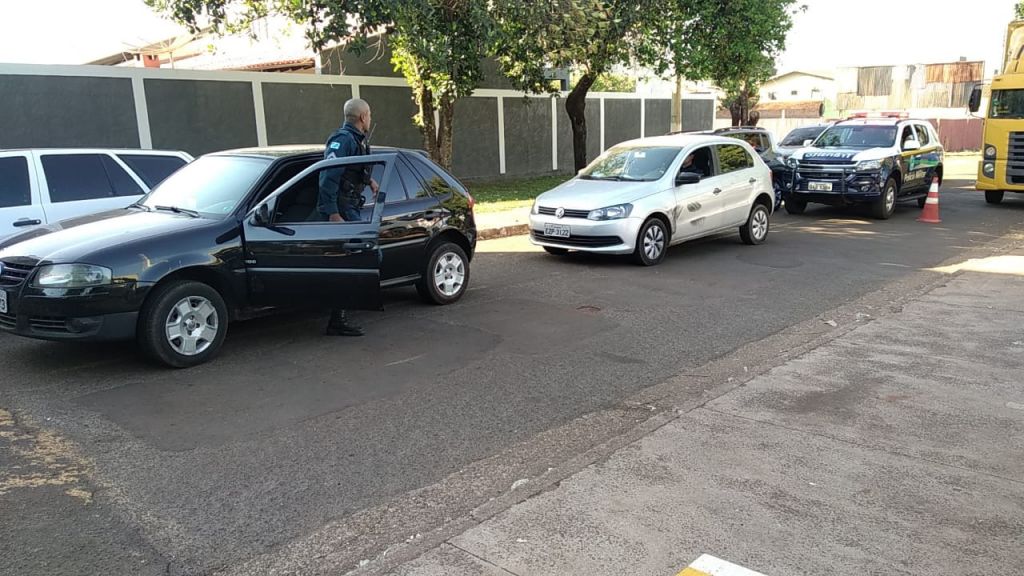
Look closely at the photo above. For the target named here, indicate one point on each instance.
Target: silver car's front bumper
(605, 237)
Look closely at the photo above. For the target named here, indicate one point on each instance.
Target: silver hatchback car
(642, 196)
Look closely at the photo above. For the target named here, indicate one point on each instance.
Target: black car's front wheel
(794, 206)
(445, 276)
(183, 324)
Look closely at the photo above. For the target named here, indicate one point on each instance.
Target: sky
(829, 34)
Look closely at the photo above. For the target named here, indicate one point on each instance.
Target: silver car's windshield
(211, 186)
(633, 163)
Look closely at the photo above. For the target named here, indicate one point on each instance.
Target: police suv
(877, 161)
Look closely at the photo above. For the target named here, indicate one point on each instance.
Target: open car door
(294, 258)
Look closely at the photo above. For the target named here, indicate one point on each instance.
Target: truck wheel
(183, 324)
(886, 205)
(756, 228)
(445, 276)
(794, 206)
(993, 196)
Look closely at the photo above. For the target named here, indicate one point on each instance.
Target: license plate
(3, 302)
(819, 186)
(556, 230)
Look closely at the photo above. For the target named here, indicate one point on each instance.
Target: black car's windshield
(1007, 104)
(631, 163)
(800, 135)
(211, 186)
(857, 136)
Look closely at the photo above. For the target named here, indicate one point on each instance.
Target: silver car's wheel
(192, 325)
(652, 242)
(756, 229)
(450, 274)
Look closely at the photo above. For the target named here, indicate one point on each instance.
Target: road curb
(504, 231)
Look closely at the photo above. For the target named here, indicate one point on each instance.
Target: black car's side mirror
(974, 102)
(684, 178)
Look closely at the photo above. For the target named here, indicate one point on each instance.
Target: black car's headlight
(72, 276)
(611, 212)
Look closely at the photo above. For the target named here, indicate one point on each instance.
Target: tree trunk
(576, 107)
(446, 116)
(425, 102)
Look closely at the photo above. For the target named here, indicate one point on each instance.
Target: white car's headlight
(611, 213)
(536, 208)
(72, 276)
(869, 165)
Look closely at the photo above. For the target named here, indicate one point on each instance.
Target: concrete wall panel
(527, 135)
(200, 116)
(475, 138)
(393, 110)
(303, 113)
(622, 121)
(62, 111)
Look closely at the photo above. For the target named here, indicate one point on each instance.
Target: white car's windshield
(210, 186)
(857, 136)
(639, 164)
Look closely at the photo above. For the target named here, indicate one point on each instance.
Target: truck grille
(14, 274)
(1015, 158)
(568, 213)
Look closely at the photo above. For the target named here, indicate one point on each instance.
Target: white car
(43, 186)
(643, 196)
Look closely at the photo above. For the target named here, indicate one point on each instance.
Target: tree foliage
(438, 45)
(1018, 11)
(733, 43)
(590, 36)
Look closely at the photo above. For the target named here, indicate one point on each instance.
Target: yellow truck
(1002, 162)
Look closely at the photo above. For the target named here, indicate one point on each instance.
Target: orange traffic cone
(930, 214)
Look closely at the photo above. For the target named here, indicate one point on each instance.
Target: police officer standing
(341, 189)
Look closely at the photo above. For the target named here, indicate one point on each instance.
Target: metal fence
(497, 132)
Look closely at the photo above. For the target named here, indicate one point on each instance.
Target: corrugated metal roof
(955, 72)
(874, 81)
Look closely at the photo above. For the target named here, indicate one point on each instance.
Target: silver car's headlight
(72, 276)
(611, 213)
(536, 208)
(868, 165)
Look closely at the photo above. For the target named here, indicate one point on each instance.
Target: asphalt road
(110, 465)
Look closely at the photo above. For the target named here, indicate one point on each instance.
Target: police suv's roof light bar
(883, 114)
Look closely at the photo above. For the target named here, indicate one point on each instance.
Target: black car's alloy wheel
(445, 276)
(182, 324)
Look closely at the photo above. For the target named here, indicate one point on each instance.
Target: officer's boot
(339, 325)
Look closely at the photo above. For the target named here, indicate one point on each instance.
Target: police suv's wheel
(883, 208)
(445, 276)
(795, 206)
(993, 196)
(182, 324)
(651, 243)
(556, 251)
(922, 201)
(756, 229)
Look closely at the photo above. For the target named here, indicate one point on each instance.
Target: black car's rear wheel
(445, 276)
(182, 324)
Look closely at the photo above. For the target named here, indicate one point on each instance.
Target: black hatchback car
(231, 233)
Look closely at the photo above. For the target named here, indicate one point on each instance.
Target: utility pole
(677, 105)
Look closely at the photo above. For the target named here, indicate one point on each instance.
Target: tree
(438, 45)
(731, 42)
(590, 36)
(1019, 10)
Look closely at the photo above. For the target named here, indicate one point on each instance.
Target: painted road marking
(708, 565)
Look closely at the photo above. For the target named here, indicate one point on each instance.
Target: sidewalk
(492, 225)
(895, 448)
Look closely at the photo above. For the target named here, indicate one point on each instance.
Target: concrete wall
(38, 111)
(497, 132)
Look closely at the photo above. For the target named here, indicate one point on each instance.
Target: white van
(42, 186)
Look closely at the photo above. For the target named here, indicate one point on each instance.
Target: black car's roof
(296, 150)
